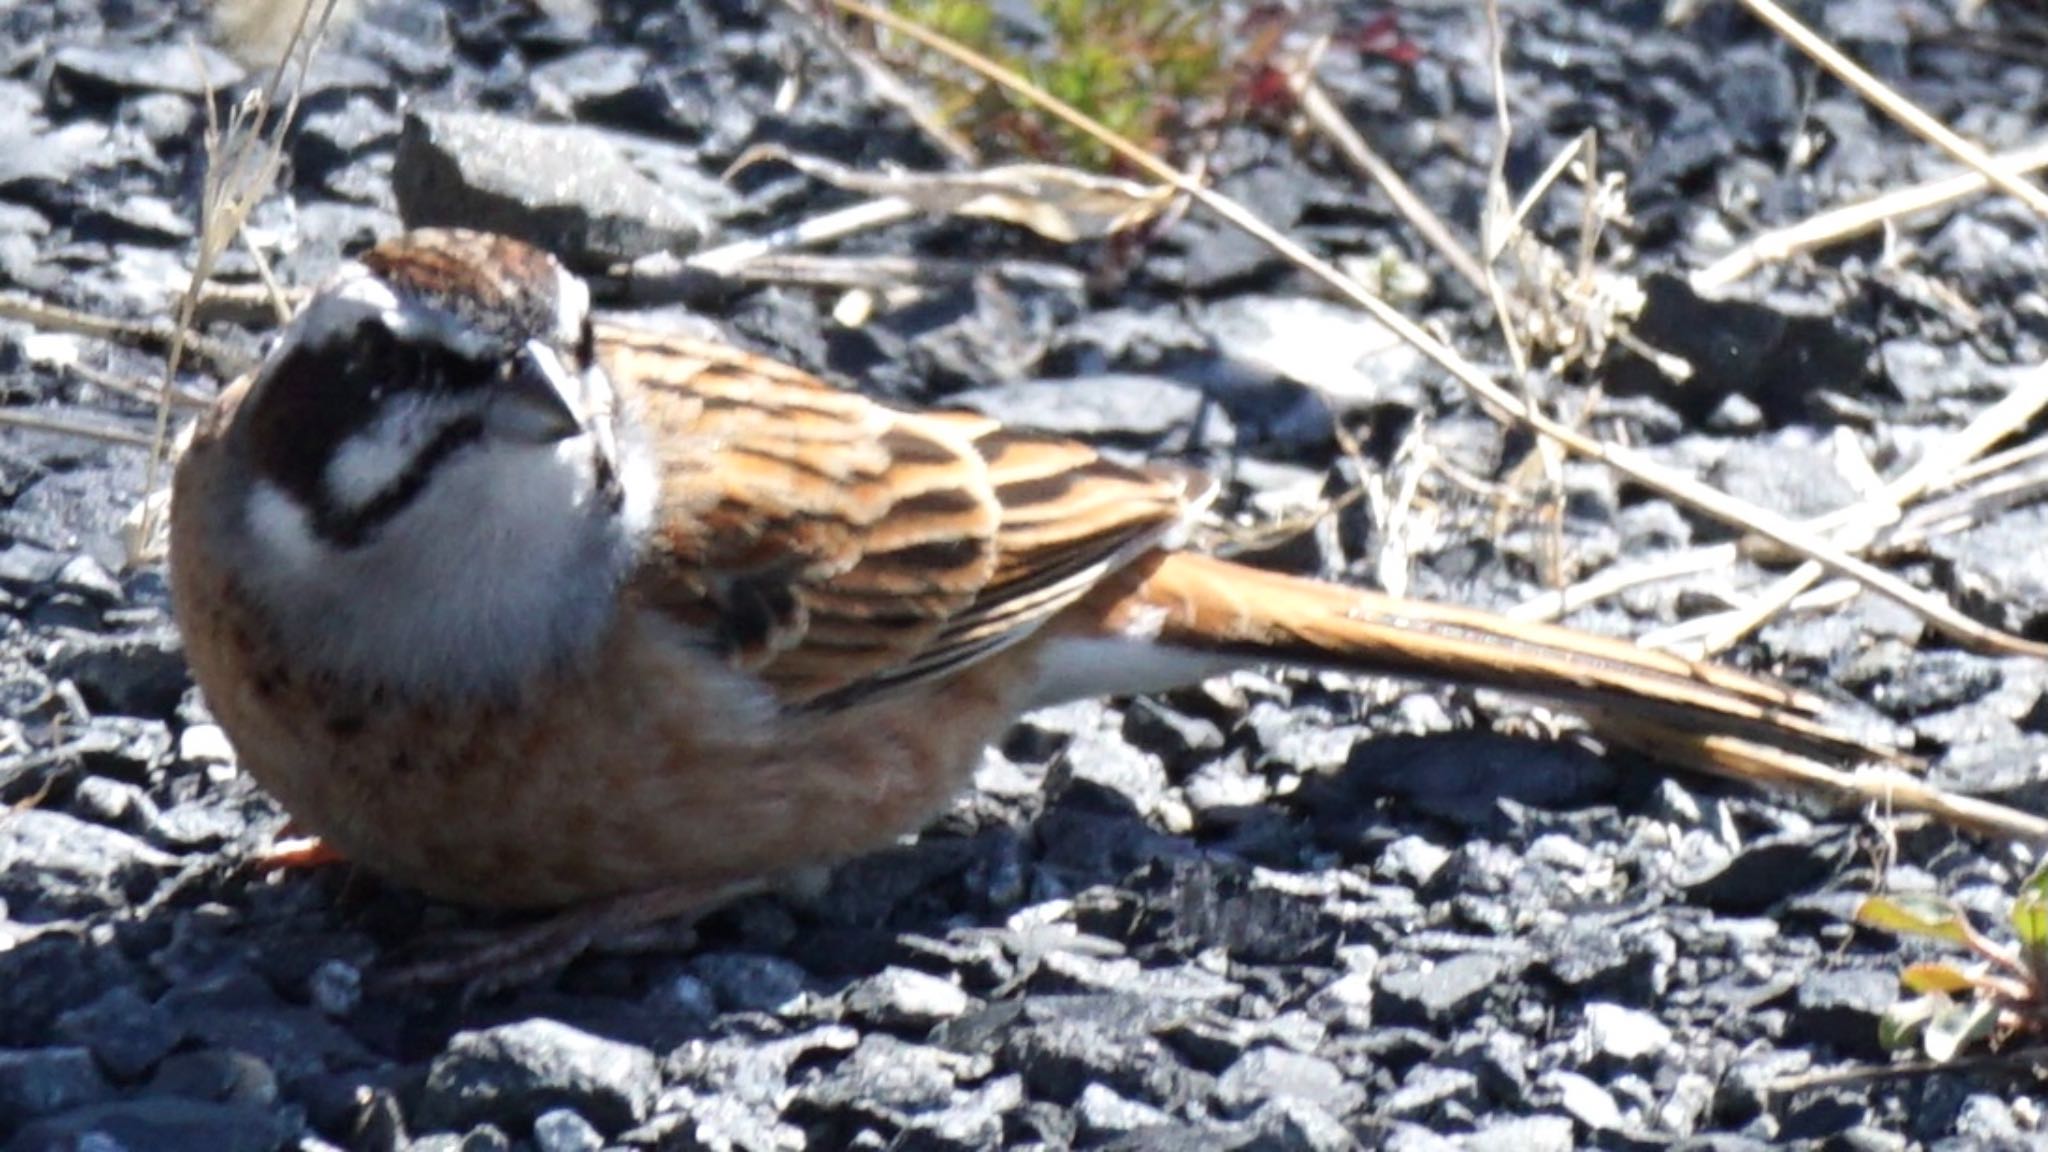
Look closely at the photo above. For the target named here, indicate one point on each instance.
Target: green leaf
(1915, 915)
(1956, 1025)
(1936, 977)
(1902, 1023)
(2030, 911)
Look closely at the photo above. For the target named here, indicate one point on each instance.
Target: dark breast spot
(753, 610)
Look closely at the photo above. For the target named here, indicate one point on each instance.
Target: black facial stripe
(319, 396)
(350, 529)
(609, 488)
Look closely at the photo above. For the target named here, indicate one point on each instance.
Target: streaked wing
(838, 548)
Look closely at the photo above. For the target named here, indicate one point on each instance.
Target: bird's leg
(518, 955)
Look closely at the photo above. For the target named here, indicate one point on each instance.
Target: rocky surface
(1228, 919)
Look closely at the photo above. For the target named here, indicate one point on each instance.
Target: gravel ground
(1224, 919)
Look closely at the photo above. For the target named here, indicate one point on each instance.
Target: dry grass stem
(1064, 205)
(134, 389)
(247, 305)
(2026, 1062)
(2007, 416)
(728, 259)
(243, 161)
(155, 336)
(1889, 788)
(36, 422)
(1883, 519)
(1502, 404)
(1847, 222)
(1327, 118)
(885, 84)
(1896, 106)
(1557, 603)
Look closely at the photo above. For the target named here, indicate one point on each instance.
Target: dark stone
(233, 1009)
(1464, 777)
(1771, 869)
(1996, 571)
(125, 1033)
(1789, 473)
(562, 1130)
(749, 982)
(1266, 1074)
(1061, 1054)
(134, 674)
(162, 1124)
(38, 1082)
(1758, 98)
(1776, 358)
(1205, 904)
(885, 1080)
(1841, 1007)
(50, 975)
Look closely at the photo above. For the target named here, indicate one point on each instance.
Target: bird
(529, 609)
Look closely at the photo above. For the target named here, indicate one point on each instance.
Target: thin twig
(1503, 405)
(1850, 221)
(2011, 413)
(1329, 119)
(134, 390)
(1555, 604)
(154, 336)
(2031, 1060)
(727, 259)
(17, 418)
(886, 85)
(1751, 763)
(1896, 106)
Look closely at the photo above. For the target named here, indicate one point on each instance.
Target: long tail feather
(1216, 607)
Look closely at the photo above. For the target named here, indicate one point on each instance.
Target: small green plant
(1999, 992)
(1152, 70)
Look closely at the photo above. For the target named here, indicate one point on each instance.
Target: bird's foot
(293, 851)
(495, 960)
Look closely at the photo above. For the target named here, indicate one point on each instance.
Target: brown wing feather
(839, 548)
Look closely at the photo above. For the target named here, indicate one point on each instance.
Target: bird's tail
(1213, 609)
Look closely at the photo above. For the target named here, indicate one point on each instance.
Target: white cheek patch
(572, 306)
(641, 481)
(280, 525)
(372, 460)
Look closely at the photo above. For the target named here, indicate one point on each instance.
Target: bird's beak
(536, 404)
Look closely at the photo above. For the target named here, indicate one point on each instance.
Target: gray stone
(1266, 1074)
(52, 864)
(1441, 991)
(1523, 1134)
(182, 67)
(562, 1130)
(519, 1071)
(905, 998)
(567, 189)
(1624, 1033)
